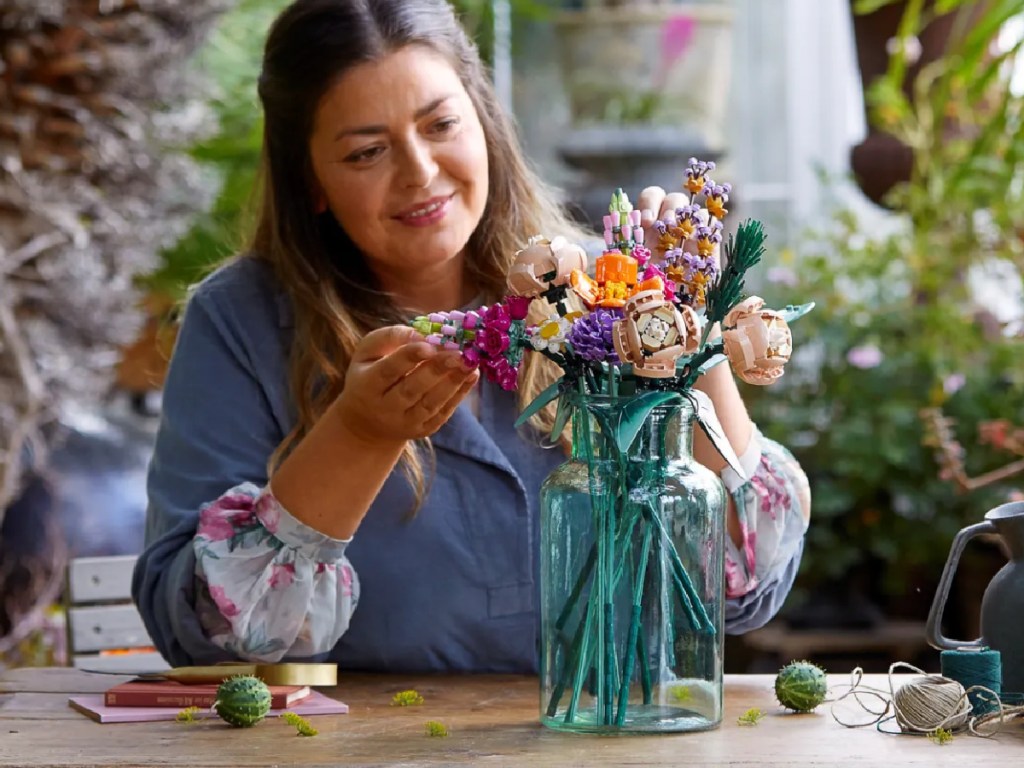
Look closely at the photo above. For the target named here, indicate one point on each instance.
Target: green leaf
(633, 414)
(562, 415)
(539, 402)
(621, 423)
(795, 311)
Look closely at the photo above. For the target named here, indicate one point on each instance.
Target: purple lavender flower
(691, 212)
(591, 336)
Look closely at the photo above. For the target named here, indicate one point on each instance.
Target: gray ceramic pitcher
(1002, 607)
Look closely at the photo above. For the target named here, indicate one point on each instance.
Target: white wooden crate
(105, 630)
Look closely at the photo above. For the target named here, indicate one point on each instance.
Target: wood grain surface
(492, 722)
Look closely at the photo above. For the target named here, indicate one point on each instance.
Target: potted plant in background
(648, 84)
(881, 160)
(914, 319)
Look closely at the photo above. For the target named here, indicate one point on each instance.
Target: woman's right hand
(399, 388)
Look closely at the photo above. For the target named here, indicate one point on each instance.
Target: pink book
(92, 706)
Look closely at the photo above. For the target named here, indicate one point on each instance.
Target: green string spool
(975, 667)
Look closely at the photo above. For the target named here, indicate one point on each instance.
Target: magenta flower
(501, 373)
(497, 317)
(642, 254)
(518, 306)
(492, 341)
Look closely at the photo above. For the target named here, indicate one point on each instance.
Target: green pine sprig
(739, 254)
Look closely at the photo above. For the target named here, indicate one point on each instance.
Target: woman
(292, 475)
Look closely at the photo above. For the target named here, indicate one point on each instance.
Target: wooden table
(493, 721)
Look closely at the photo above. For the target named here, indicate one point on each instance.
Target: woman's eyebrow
(370, 130)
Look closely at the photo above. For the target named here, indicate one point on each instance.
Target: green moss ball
(801, 686)
(242, 701)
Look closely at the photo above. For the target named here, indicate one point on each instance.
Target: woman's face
(400, 160)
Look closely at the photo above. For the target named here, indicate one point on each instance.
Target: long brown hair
(336, 298)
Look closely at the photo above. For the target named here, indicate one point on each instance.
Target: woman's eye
(364, 155)
(445, 125)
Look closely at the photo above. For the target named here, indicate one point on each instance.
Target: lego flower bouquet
(632, 527)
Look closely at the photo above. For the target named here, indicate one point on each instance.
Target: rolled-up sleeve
(268, 583)
(213, 538)
(773, 507)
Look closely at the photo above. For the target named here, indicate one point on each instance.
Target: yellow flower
(705, 246)
(716, 206)
(667, 240)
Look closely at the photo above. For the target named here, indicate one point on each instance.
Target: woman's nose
(418, 168)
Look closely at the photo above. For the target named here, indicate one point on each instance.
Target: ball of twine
(924, 704)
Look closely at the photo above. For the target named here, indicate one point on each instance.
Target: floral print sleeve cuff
(267, 584)
(773, 507)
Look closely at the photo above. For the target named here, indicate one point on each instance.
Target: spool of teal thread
(975, 666)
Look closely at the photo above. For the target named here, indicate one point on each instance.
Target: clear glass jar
(632, 566)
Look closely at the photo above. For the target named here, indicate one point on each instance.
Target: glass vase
(632, 565)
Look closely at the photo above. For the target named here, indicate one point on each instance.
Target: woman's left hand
(656, 204)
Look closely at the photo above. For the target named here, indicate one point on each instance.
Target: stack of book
(138, 701)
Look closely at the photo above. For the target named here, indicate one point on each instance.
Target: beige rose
(543, 257)
(758, 342)
(653, 334)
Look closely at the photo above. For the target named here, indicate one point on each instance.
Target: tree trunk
(89, 194)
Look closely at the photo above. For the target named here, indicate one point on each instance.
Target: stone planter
(660, 64)
(648, 87)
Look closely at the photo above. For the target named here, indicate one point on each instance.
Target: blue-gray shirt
(452, 589)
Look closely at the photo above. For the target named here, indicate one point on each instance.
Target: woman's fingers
(672, 202)
(649, 202)
(381, 342)
(390, 370)
(434, 399)
(424, 377)
(455, 397)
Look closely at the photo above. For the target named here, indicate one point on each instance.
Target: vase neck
(666, 434)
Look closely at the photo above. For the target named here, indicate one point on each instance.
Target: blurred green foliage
(897, 325)
(230, 60)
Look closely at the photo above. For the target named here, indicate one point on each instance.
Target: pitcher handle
(933, 630)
